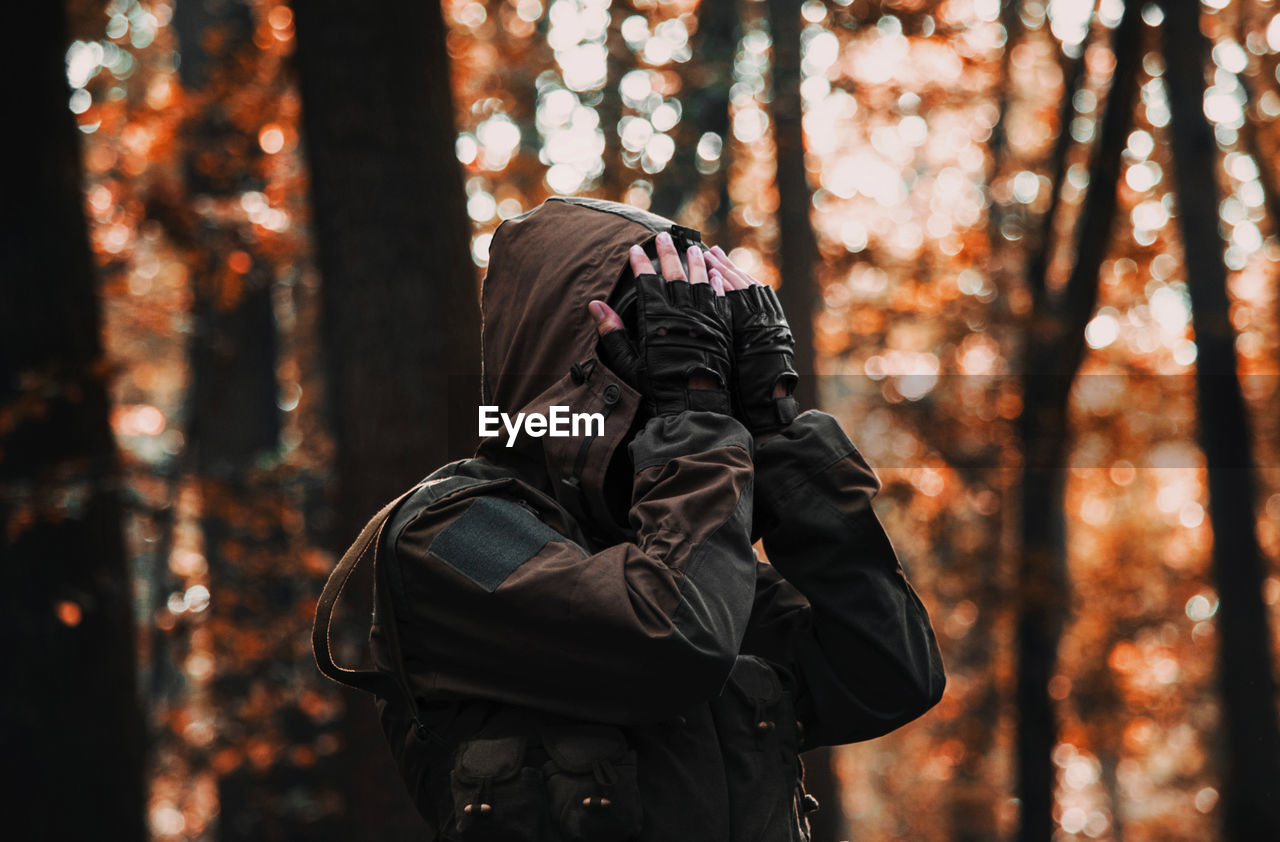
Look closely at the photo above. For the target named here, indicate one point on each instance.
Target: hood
(539, 341)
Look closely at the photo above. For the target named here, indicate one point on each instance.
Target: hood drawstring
(581, 372)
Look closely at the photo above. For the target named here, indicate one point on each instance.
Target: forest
(1030, 250)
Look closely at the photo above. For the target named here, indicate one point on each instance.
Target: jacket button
(811, 804)
(612, 394)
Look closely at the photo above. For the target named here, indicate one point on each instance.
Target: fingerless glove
(682, 331)
(764, 353)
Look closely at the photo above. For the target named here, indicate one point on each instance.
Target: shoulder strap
(370, 681)
(374, 681)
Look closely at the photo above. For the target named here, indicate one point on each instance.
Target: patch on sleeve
(493, 537)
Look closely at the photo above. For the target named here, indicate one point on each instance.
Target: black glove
(764, 351)
(683, 331)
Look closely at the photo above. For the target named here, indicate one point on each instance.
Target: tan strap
(371, 681)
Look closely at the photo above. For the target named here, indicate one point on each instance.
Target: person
(573, 637)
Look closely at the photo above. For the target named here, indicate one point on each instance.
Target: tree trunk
(1251, 750)
(619, 60)
(797, 250)
(681, 189)
(72, 727)
(972, 812)
(399, 316)
(233, 352)
(233, 431)
(1054, 342)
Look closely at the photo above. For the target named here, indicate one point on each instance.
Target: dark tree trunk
(617, 175)
(72, 729)
(797, 251)
(1041, 254)
(997, 146)
(400, 315)
(234, 417)
(1054, 349)
(719, 32)
(972, 812)
(233, 430)
(682, 192)
(1251, 750)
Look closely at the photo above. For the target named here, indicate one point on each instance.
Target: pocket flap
(756, 680)
(577, 748)
(496, 759)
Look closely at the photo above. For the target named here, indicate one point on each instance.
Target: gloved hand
(764, 351)
(683, 356)
(763, 347)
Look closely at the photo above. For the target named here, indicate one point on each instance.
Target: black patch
(491, 539)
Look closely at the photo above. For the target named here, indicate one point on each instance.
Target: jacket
(546, 671)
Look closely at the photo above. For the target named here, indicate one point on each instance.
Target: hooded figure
(572, 635)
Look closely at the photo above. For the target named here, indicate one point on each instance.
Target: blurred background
(1030, 247)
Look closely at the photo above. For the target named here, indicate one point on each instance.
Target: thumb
(607, 320)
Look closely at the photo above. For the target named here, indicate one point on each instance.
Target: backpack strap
(377, 682)
(371, 681)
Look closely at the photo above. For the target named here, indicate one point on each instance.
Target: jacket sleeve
(498, 606)
(835, 607)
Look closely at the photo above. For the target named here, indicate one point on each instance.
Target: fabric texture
(468, 543)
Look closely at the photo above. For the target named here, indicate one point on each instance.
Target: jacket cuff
(813, 449)
(805, 448)
(667, 437)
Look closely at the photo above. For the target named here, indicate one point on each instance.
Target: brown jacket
(561, 676)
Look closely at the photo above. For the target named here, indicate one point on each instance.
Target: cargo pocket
(496, 798)
(591, 778)
(760, 741)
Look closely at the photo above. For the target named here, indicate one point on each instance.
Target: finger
(730, 278)
(640, 263)
(717, 283)
(669, 258)
(733, 268)
(717, 267)
(697, 266)
(607, 320)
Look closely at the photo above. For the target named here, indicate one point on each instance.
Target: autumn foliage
(950, 148)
